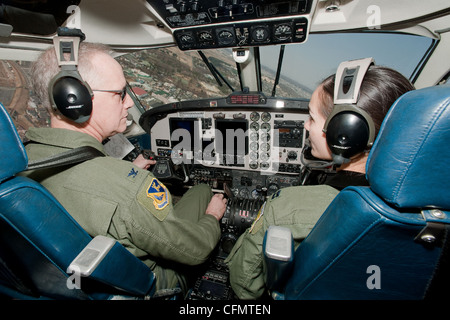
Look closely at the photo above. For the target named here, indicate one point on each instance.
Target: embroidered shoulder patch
(159, 193)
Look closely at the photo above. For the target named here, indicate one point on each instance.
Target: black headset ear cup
(72, 97)
(347, 134)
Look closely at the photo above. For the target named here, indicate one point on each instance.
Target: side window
(306, 65)
(18, 98)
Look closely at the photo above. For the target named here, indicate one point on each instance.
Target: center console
(245, 145)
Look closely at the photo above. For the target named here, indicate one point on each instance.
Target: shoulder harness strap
(69, 157)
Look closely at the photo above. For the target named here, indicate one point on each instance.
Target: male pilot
(117, 198)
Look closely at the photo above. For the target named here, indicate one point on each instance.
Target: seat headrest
(408, 165)
(13, 156)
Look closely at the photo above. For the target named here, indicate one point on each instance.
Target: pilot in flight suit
(112, 197)
(296, 208)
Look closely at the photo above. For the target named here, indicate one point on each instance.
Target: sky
(310, 62)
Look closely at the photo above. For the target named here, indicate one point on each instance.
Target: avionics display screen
(231, 140)
(184, 133)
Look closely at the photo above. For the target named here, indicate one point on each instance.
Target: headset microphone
(349, 130)
(305, 158)
(68, 92)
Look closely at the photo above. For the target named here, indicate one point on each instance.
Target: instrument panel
(205, 24)
(190, 13)
(250, 142)
(243, 34)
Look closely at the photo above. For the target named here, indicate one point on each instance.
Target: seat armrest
(91, 256)
(278, 249)
(99, 261)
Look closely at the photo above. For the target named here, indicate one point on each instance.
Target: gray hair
(46, 67)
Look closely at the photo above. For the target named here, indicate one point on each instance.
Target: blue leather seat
(386, 241)
(40, 242)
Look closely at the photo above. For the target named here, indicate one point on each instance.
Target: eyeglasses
(122, 93)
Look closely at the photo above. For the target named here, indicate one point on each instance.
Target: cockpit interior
(221, 92)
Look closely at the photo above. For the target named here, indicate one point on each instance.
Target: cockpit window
(164, 75)
(307, 64)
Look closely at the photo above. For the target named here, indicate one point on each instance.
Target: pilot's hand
(217, 206)
(143, 163)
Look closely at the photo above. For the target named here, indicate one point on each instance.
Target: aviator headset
(349, 130)
(68, 92)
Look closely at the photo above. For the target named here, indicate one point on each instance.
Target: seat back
(39, 240)
(386, 241)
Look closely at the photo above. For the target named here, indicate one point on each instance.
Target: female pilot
(299, 208)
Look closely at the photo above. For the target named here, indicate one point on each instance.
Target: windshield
(308, 64)
(160, 76)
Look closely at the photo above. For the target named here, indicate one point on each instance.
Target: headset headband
(344, 127)
(68, 92)
(349, 77)
(68, 45)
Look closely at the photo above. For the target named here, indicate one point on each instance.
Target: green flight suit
(113, 197)
(297, 208)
